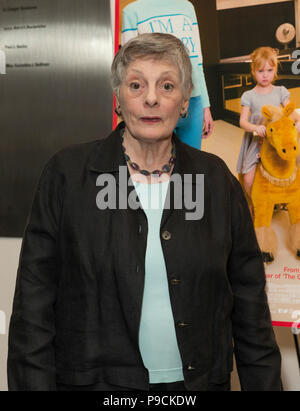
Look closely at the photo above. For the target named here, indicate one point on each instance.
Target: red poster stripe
(282, 324)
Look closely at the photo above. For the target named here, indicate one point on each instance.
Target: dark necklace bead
(133, 165)
(166, 168)
(156, 173)
(145, 172)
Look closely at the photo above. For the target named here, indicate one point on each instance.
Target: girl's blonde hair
(261, 56)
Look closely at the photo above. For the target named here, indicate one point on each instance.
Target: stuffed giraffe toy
(277, 180)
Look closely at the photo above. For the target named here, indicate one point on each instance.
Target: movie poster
(283, 277)
(283, 274)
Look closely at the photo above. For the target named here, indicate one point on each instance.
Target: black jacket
(79, 289)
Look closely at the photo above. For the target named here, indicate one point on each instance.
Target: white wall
(9, 257)
(230, 4)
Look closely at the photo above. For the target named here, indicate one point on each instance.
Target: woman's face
(151, 99)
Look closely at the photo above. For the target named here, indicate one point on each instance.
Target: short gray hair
(155, 45)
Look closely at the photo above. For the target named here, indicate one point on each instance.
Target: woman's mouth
(151, 120)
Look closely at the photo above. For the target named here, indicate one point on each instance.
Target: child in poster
(264, 67)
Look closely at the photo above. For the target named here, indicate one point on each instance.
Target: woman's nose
(151, 98)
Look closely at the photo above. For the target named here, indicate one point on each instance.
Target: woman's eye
(134, 86)
(168, 86)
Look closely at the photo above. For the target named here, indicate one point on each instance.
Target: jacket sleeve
(31, 363)
(257, 354)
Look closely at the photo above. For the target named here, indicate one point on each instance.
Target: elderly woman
(141, 294)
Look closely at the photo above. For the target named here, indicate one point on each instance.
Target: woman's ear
(186, 101)
(189, 93)
(118, 108)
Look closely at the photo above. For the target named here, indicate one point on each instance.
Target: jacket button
(182, 324)
(175, 281)
(166, 235)
(190, 367)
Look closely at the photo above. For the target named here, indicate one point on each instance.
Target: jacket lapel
(109, 157)
(184, 174)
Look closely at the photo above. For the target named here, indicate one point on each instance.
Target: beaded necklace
(155, 173)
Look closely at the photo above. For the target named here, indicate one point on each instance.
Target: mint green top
(175, 17)
(157, 338)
